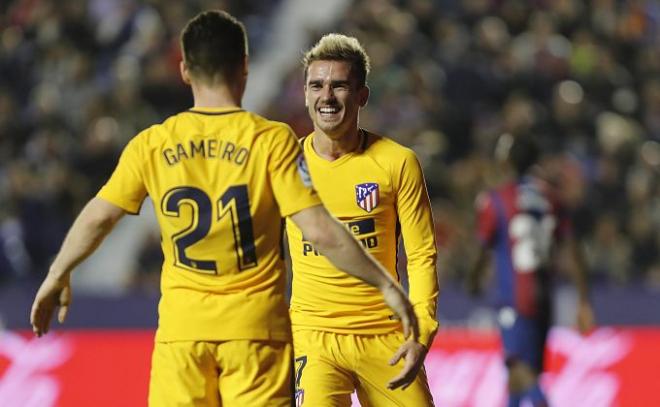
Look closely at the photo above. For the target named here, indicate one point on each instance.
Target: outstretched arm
(335, 242)
(88, 231)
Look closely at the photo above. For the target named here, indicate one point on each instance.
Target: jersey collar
(215, 111)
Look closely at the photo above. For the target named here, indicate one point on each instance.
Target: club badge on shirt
(366, 195)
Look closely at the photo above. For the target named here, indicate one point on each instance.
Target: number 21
(234, 202)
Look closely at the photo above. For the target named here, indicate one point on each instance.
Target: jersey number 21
(234, 202)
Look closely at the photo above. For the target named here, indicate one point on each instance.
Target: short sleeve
(289, 176)
(126, 187)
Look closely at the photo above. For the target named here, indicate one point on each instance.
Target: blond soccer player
(220, 178)
(344, 334)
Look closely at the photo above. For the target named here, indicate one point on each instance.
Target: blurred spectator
(582, 77)
(146, 277)
(79, 78)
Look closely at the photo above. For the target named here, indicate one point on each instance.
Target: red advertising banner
(75, 368)
(611, 367)
(608, 368)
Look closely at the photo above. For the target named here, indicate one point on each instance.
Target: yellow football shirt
(221, 180)
(379, 193)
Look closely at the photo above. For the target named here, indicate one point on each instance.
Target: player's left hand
(52, 293)
(413, 354)
(585, 317)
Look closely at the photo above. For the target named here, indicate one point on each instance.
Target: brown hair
(214, 43)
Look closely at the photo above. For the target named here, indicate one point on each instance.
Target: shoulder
(269, 133)
(502, 192)
(263, 125)
(484, 200)
(551, 193)
(144, 138)
(156, 132)
(385, 148)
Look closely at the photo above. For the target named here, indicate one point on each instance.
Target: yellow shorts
(330, 366)
(214, 374)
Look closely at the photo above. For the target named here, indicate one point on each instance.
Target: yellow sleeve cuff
(428, 327)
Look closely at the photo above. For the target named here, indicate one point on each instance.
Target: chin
(331, 131)
(325, 126)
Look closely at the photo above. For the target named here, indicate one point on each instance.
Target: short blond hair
(339, 47)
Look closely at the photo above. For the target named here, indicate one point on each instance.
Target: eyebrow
(333, 83)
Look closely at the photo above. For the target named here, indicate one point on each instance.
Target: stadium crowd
(79, 78)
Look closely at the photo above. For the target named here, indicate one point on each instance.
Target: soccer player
(344, 334)
(521, 222)
(221, 178)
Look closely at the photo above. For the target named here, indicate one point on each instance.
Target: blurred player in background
(221, 178)
(344, 334)
(522, 223)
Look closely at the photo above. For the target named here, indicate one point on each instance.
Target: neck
(332, 148)
(218, 95)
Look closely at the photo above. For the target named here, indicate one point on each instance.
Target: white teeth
(329, 110)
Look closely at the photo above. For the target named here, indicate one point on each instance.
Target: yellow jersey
(221, 180)
(379, 193)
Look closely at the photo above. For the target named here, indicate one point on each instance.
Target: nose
(327, 92)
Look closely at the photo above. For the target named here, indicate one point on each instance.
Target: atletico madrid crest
(366, 195)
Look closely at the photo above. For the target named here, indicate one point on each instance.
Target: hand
(397, 300)
(585, 317)
(413, 353)
(52, 293)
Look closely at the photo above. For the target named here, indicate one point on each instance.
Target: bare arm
(585, 316)
(476, 273)
(336, 243)
(580, 273)
(88, 231)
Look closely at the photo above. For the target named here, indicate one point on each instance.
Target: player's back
(519, 220)
(208, 180)
(208, 172)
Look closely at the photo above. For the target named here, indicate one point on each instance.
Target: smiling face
(333, 97)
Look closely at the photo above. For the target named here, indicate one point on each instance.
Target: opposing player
(344, 334)
(221, 178)
(522, 223)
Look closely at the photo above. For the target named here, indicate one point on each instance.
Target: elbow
(99, 223)
(322, 238)
(319, 227)
(327, 234)
(101, 216)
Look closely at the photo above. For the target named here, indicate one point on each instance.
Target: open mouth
(328, 111)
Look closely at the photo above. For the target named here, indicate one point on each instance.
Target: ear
(185, 74)
(246, 64)
(305, 94)
(363, 96)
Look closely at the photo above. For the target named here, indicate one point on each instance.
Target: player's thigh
(523, 338)
(255, 373)
(374, 372)
(321, 379)
(183, 374)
